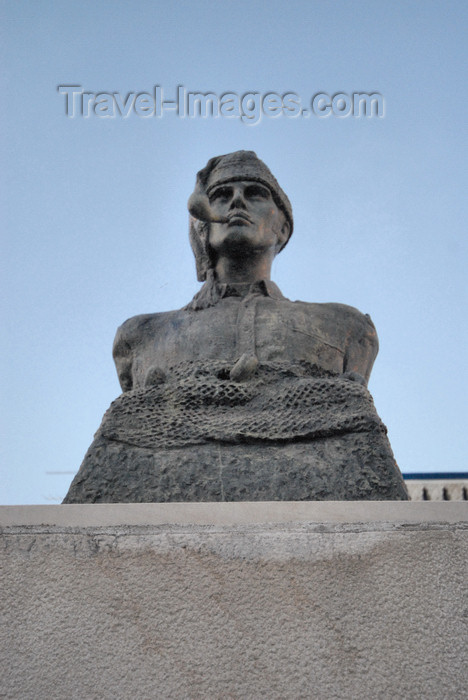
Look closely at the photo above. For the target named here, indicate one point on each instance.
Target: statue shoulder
(131, 335)
(362, 343)
(350, 330)
(135, 329)
(354, 320)
(341, 317)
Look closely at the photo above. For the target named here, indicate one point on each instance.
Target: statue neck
(243, 270)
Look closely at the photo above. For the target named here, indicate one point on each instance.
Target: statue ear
(198, 233)
(283, 235)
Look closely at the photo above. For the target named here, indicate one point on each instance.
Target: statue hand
(355, 377)
(155, 375)
(244, 368)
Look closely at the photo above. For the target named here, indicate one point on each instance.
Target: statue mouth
(239, 219)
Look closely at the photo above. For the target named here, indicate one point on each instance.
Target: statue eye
(257, 192)
(221, 194)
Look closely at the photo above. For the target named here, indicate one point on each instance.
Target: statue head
(237, 167)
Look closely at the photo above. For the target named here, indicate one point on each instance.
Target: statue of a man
(242, 394)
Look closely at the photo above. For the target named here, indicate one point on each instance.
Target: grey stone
(242, 394)
(345, 601)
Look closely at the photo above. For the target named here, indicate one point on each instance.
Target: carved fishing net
(198, 403)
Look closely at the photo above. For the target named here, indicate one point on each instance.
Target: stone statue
(242, 394)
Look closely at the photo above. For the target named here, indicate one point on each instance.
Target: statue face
(254, 222)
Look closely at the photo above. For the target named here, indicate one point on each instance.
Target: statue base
(286, 435)
(234, 600)
(350, 468)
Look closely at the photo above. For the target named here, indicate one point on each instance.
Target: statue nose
(238, 201)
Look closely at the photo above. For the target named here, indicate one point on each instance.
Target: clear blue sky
(94, 219)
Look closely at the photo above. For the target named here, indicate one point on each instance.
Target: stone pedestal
(235, 600)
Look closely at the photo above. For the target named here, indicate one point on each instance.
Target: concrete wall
(437, 489)
(235, 600)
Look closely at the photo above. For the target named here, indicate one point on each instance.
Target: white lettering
(341, 105)
(321, 106)
(363, 98)
(272, 105)
(229, 105)
(70, 91)
(144, 105)
(289, 99)
(124, 106)
(104, 105)
(250, 105)
(205, 103)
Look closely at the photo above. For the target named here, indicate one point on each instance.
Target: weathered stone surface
(232, 607)
(242, 394)
(201, 438)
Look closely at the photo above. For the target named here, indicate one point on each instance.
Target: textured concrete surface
(321, 607)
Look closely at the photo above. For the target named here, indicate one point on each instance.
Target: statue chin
(233, 239)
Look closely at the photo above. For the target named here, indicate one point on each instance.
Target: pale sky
(94, 209)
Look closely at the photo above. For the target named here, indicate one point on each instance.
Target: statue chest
(272, 330)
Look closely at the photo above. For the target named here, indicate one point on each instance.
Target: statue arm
(123, 358)
(361, 349)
